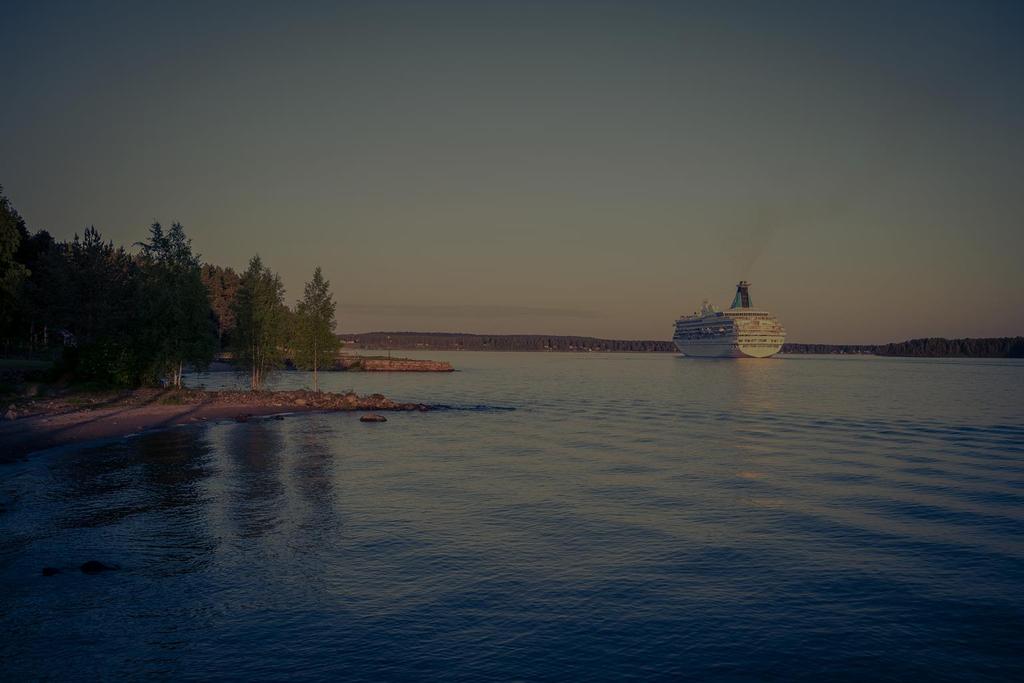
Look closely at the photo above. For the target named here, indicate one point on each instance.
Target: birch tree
(315, 343)
(260, 323)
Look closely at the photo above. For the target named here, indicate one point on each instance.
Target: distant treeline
(451, 341)
(829, 348)
(934, 347)
(1003, 347)
(996, 347)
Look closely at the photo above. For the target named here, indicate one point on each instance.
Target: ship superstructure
(740, 332)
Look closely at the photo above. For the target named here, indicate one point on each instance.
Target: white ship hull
(726, 349)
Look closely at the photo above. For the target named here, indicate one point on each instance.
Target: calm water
(634, 516)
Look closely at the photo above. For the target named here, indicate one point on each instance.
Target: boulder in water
(95, 567)
(372, 417)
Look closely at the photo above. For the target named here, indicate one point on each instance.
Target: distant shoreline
(933, 347)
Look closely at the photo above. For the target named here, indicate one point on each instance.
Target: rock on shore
(302, 399)
(393, 364)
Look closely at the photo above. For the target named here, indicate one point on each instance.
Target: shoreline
(348, 362)
(40, 424)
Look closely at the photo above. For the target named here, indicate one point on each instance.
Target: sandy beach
(45, 423)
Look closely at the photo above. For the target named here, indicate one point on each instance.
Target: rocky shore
(382, 364)
(33, 424)
(354, 363)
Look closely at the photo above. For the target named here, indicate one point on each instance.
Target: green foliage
(127, 320)
(314, 341)
(24, 364)
(222, 284)
(12, 273)
(105, 362)
(176, 321)
(122, 320)
(90, 290)
(261, 322)
(93, 286)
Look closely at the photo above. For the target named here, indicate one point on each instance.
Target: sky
(593, 168)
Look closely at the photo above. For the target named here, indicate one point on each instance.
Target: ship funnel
(742, 298)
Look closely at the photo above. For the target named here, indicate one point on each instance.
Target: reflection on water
(756, 385)
(313, 476)
(643, 516)
(257, 492)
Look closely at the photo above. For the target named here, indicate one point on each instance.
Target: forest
(139, 315)
(449, 341)
(937, 347)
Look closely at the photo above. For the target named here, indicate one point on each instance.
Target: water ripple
(554, 518)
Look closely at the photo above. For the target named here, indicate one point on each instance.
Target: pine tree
(222, 284)
(315, 343)
(12, 273)
(176, 326)
(260, 322)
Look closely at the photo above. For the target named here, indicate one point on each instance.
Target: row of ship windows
(755, 345)
(694, 329)
(745, 342)
(715, 335)
(727, 330)
(740, 314)
(701, 323)
(775, 345)
(723, 330)
(684, 326)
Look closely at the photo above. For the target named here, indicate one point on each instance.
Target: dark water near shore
(645, 516)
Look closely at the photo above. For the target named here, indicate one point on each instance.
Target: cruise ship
(740, 332)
